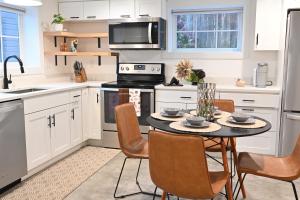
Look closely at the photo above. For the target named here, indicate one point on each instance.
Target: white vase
(58, 27)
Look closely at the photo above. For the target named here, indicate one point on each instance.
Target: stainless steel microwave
(138, 33)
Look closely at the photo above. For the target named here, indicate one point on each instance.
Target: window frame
(240, 42)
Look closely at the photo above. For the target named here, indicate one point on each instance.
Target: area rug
(59, 180)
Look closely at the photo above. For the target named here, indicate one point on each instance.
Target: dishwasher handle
(54, 121)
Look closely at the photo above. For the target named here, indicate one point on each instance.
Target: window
(208, 30)
(10, 35)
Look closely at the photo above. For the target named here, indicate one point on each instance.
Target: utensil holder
(206, 97)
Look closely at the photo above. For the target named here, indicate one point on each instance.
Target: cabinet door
(96, 9)
(85, 114)
(152, 8)
(267, 28)
(38, 138)
(121, 8)
(71, 10)
(95, 113)
(60, 131)
(76, 122)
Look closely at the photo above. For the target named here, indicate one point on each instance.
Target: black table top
(225, 131)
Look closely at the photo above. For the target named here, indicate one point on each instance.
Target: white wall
(222, 68)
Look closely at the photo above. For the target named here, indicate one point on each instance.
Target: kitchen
(79, 65)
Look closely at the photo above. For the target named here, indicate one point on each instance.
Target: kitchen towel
(135, 98)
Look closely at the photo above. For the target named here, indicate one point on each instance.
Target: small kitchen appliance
(130, 76)
(260, 75)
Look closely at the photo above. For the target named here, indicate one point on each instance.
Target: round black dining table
(224, 132)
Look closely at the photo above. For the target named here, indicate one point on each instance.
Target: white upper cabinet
(152, 8)
(96, 9)
(121, 9)
(71, 10)
(267, 28)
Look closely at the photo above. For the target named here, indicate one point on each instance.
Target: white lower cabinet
(60, 130)
(94, 114)
(76, 122)
(38, 138)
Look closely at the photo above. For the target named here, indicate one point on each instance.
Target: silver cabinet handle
(248, 100)
(248, 110)
(186, 97)
(293, 117)
(144, 15)
(98, 98)
(257, 37)
(150, 32)
(125, 16)
(49, 121)
(53, 123)
(74, 17)
(73, 114)
(76, 96)
(91, 17)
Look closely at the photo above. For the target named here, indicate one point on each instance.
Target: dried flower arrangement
(184, 69)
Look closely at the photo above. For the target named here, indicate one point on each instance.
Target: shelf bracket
(55, 41)
(99, 43)
(65, 60)
(99, 60)
(65, 40)
(55, 60)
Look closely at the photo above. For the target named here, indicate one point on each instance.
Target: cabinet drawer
(256, 100)
(45, 102)
(264, 143)
(176, 96)
(268, 114)
(75, 96)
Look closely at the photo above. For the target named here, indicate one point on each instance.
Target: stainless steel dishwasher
(13, 162)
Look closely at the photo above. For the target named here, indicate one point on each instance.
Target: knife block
(82, 77)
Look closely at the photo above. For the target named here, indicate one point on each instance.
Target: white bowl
(240, 117)
(196, 121)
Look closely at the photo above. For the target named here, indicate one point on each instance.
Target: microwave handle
(150, 32)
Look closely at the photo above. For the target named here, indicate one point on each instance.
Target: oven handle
(117, 89)
(150, 33)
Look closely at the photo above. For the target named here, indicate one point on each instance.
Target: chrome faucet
(5, 79)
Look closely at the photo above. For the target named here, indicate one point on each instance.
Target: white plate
(248, 122)
(179, 114)
(205, 124)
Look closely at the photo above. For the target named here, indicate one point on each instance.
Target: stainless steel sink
(25, 91)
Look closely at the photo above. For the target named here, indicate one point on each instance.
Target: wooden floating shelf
(98, 53)
(76, 35)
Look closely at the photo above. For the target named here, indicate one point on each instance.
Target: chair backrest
(127, 125)
(178, 165)
(225, 105)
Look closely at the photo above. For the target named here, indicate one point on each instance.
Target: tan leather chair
(132, 144)
(178, 166)
(279, 168)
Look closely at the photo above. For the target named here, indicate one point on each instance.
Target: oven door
(134, 35)
(111, 97)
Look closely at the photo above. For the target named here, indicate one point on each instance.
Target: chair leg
(163, 197)
(154, 194)
(241, 183)
(295, 190)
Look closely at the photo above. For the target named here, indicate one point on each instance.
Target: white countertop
(51, 88)
(225, 88)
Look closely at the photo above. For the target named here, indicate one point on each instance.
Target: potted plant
(196, 76)
(58, 21)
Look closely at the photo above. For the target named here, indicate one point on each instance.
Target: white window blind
(208, 30)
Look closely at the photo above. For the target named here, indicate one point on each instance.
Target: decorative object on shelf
(240, 83)
(63, 47)
(24, 2)
(206, 97)
(196, 76)
(74, 45)
(184, 69)
(58, 21)
(80, 74)
(174, 82)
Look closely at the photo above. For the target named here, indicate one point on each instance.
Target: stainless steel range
(141, 76)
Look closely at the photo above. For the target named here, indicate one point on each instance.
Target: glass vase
(206, 97)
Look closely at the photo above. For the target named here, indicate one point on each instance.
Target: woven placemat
(223, 114)
(180, 127)
(258, 124)
(171, 119)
